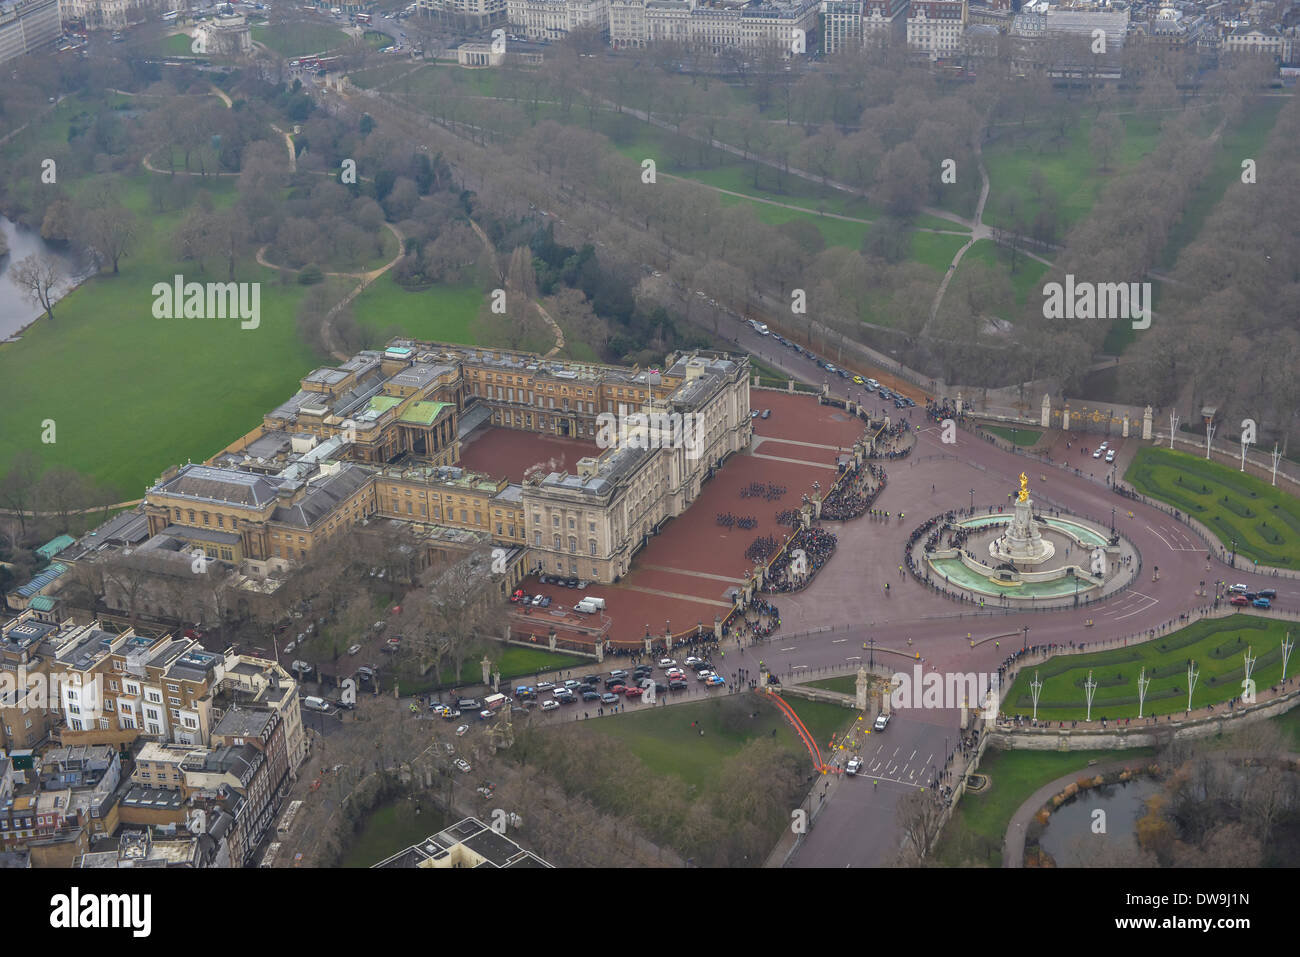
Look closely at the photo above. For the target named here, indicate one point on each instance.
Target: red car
(518, 596)
(1238, 600)
(633, 692)
(615, 689)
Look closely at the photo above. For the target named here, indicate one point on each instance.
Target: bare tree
(37, 276)
(918, 816)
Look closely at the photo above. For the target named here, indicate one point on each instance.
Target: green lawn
(1244, 140)
(300, 38)
(438, 314)
(390, 828)
(168, 389)
(377, 39)
(1021, 437)
(1263, 521)
(974, 834)
(1026, 281)
(664, 739)
(1216, 646)
(178, 44)
(844, 684)
(1069, 168)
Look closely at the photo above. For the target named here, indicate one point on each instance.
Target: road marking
(854, 658)
(1161, 537)
(913, 755)
(839, 641)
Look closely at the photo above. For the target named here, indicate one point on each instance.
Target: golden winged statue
(1024, 487)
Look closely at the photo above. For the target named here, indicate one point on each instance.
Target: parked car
(1110, 456)
(463, 765)
(1262, 603)
(677, 684)
(550, 704)
(714, 681)
(591, 695)
(667, 663)
(853, 767)
(354, 650)
(545, 685)
(882, 722)
(288, 649)
(460, 732)
(1268, 593)
(451, 714)
(609, 698)
(633, 692)
(767, 414)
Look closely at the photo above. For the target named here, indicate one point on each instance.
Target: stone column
(1146, 423)
(1124, 432)
(789, 385)
(960, 403)
(600, 650)
(717, 627)
(1046, 416)
(486, 664)
(552, 639)
(496, 680)
(860, 699)
(1065, 419)
(858, 452)
(817, 507)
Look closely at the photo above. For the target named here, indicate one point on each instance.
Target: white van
(586, 608)
(759, 327)
(316, 704)
(593, 601)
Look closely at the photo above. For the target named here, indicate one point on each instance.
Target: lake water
(16, 310)
(1069, 837)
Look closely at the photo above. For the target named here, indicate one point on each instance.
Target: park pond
(16, 310)
(1069, 836)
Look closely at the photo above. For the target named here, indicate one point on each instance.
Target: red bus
(363, 18)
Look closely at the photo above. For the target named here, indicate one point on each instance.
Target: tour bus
(363, 18)
(168, 17)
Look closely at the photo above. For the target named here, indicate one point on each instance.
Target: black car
(900, 404)
(1268, 593)
(841, 373)
(589, 695)
(701, 666)
(677, 684)
(589, 679)
(570, 583)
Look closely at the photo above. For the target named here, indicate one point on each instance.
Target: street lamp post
(1112, 520)
(972, 501)
(1025, 645)
(1234, 553)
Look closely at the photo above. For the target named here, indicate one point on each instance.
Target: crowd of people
(855, 494)
(938, 411)
(767, 491)
(727, 520)
(761, 549)
(817, 546)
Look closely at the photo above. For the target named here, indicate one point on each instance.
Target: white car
(667, 663)
(1110, 456)
(853, 767)
(460, 732)
(1239, 589)
(463, 765)
(354, 650)
(692, 660)
(1097, 454)
(882, 722)
(704, 675)
(550, 704)
(288, 649)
